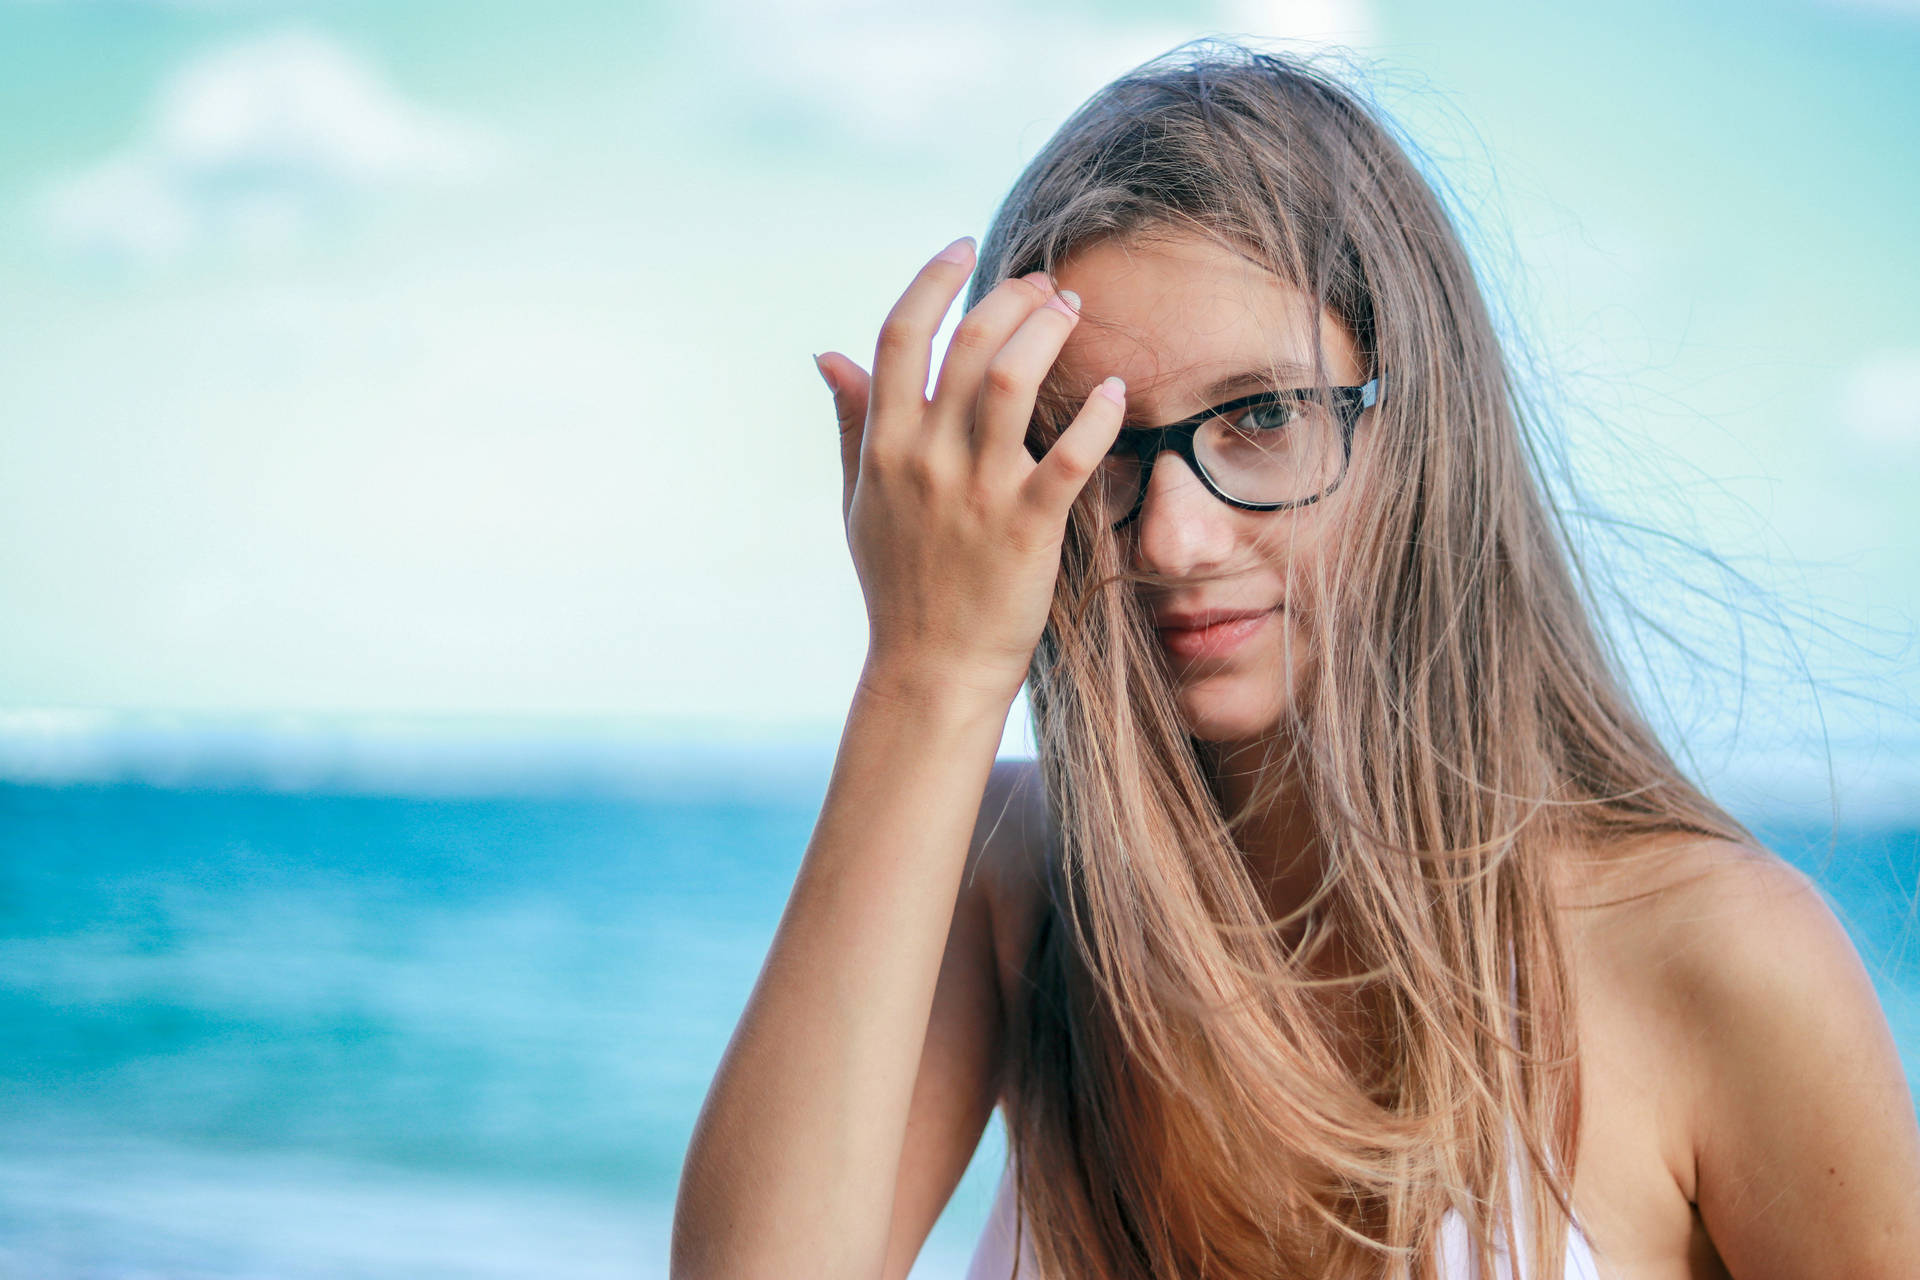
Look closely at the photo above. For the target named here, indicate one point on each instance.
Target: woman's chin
(1228, 711)
(1246, 698)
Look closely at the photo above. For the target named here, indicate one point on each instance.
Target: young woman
(1353, 923)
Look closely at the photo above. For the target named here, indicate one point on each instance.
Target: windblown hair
(1178, 1104)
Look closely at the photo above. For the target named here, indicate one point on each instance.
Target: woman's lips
(1215, 641)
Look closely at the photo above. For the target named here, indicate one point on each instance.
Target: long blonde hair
(1177, 1102)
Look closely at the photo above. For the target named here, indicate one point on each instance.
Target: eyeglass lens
(1284, 451)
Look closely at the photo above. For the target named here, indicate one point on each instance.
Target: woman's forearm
(792, 1166)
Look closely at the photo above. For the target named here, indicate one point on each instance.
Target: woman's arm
(793, 1164)
(1806, 1145)
(964, 1058)
(955, 530)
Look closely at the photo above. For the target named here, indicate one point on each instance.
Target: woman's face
(1174, 316)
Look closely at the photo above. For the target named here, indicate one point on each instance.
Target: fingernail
(1113, 389)
(1066, 300)
(960, 250)
(825, 376)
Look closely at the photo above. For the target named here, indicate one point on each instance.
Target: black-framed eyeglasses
(1263, 452)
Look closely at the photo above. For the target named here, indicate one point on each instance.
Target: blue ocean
(258, 1032)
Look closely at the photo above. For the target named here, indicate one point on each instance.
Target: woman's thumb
(849, 384)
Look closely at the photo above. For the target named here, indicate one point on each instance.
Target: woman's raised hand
(955, 530)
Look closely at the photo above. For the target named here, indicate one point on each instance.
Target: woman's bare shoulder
(1011, 844)
(1738, 970)
(1666, 904)
(1672, 916)
(1800, 1122)
(1735, 937)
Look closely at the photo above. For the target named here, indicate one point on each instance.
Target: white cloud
(215, 6)
(1899, 8)
(893, 74)
(1303, 22)
(249, 145)
(1880, 398)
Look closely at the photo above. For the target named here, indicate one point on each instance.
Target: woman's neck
(1278, 839)
(1285, 859)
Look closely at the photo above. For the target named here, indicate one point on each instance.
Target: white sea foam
(109, 1205)
(99, 1205)
(1863, 781)
(409, 755)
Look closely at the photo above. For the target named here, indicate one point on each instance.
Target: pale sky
(388, 359)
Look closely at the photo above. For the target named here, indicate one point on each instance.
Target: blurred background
(427, 619)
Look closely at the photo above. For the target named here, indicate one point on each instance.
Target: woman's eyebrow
(1280, 370)
(1221, 388)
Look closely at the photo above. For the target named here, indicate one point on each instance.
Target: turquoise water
(263, 1034)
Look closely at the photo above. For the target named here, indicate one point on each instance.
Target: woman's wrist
(937, 689)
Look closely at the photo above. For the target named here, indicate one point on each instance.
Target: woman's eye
(1266, 417)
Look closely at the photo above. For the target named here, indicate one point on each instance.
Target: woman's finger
(977, 339)
(849, 384)
(1011, 383)
(903, 353)
(1058, 478)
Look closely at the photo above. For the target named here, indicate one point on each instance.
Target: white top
(993, 1255)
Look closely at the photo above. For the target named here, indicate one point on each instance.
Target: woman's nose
(1183, 529)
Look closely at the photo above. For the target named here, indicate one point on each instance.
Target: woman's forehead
(1185, 320)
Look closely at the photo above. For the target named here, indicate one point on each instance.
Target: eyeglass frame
(1146, 444)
